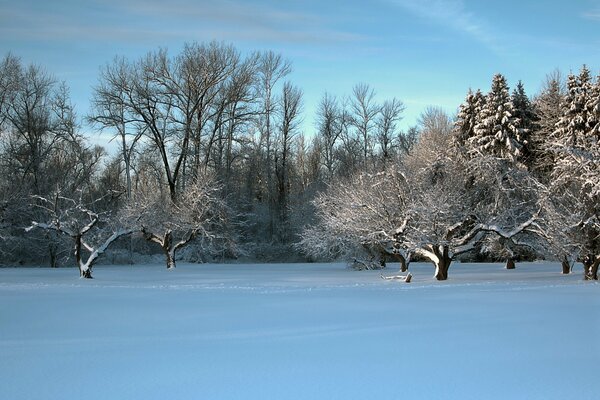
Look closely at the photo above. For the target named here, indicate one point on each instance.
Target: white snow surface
(298, 331)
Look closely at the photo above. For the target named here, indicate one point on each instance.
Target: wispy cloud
(592, 14)
(145, 21)
(453, 14)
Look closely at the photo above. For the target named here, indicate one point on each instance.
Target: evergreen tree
(468, 118)
(526, 119)
(575, 180)
(548, 107)
(572, 126)
(592, 109)
(497, 132)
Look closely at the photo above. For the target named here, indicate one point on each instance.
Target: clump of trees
(213, 163)
(507, 177)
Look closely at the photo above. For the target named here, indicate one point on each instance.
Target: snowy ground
(298, 331)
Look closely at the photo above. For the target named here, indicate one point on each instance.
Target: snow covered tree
(365, 214)
(498, 132)
(548, 106)
(526, 119)
(458, 203)
(91, 232)
(575, 184)
(468, 117)
(438, 205)
(200, 214)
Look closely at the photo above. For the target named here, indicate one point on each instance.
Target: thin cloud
(452, 14)
(152, 21)
(593, 15)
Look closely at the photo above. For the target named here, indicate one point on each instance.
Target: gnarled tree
(89, 230)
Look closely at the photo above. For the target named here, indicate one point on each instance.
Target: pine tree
(548, 106)
(526, 119)
(576, 176)
(592, 109)
(468, 118)
(572, 126)
(497, 132)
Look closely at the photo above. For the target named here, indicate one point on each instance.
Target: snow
(298, 331)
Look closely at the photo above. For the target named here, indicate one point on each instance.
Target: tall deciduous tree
(363, 114)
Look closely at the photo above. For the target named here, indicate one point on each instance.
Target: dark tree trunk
(590, 267)
(169, 250)
(510, 264)
(593, 273)
(85, 273)
(170, 256)
(443, 264)
(566, 266)
(404, 263)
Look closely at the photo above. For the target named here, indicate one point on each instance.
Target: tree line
(213, 164)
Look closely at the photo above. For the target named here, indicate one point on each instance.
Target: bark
(593, 273)
(510, 264)
(84, 271)
(566, 266)
(169, 250)
(443, 264)
(170, 256)
(404, 263)
(590, 267)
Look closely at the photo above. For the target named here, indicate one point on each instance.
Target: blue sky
(424, 52)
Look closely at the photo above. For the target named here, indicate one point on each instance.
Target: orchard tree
(366, 213)
(199, 215)
(91, 232)
(458, 204)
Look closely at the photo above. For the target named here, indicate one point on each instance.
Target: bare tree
(363, 112)
(272, 68)
(291, 104)
(110, 110)
(332, 121)
(387, 121)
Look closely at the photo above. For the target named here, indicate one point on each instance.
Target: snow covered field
(298, 331)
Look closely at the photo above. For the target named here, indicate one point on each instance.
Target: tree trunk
(566, 266)
(510, 264)
(443, 264)
(593, 273)
(170, 255)
(590, 267)
(403, 262)
(169, 249)
(84, 271)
